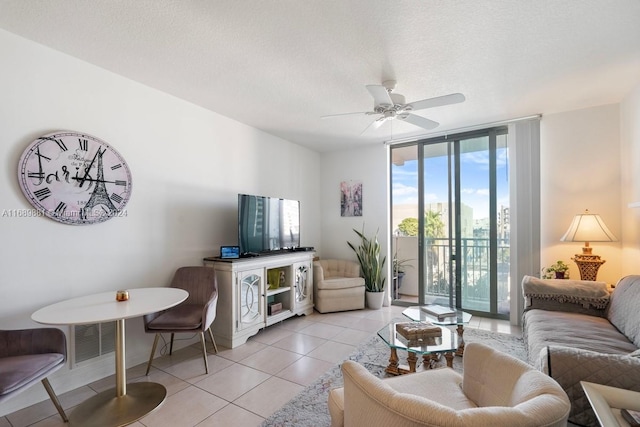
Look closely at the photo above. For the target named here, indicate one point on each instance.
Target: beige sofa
(495, 390)
(337, 285)
(578, 331)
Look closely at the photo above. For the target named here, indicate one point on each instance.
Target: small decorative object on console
(274, 308)
(229, 252)
(559, 270)
(122, 295)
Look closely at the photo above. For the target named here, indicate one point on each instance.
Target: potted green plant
(371, 267)
(559, 270)
(398, 271)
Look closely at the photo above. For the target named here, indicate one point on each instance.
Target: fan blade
(373, 125)
(380, 95)
(345, 114)
(419, 121)
(438, 101)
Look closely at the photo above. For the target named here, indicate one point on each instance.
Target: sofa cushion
(181, 317)
(449, 393)
(341, 283)
(624, 311)
(543, 328)
(18, 371)
(339, 268)
(568, 366)
(584, 292)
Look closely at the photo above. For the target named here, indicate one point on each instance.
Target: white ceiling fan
(390, 106)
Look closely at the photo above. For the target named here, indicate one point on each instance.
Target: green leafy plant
(558, 267)
(399, 265)
(371, 265)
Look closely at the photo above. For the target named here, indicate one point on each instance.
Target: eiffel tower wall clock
(75, 178)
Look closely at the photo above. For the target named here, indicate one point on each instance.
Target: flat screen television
(267, 224)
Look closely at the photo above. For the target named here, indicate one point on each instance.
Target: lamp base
(588, 265)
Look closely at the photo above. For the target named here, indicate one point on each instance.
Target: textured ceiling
(280, 65)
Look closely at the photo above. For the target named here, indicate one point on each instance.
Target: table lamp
(588, 227)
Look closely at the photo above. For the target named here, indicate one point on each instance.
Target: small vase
(374, 299)
(559, 274)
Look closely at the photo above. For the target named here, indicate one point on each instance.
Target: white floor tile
(241, 352)
(271, 360)
(248, 383)
(270, 395)
(232, 415)
(233, 382)
(193, 370)
(271, 334)
(299, 343)
(322, 330)
(305, 370)
(185, 408)
(351, 337)
(332, 351)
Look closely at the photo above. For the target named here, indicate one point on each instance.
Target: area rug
(309, 407)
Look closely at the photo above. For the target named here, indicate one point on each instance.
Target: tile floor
(245, 384)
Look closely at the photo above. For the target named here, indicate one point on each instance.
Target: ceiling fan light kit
(392, 106)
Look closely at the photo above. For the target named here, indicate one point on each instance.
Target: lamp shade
(588, 227)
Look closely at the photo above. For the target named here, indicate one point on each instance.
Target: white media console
(257, 292)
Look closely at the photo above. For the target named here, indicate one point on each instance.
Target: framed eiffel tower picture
(74, 178)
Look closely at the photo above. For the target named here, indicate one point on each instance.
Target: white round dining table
(123, 404)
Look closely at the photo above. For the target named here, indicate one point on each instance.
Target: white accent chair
(337, 285)
(495, 390)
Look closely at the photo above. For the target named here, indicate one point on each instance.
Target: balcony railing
(474, 274)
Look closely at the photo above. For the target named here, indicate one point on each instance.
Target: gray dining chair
(28, 356)
(193, 315)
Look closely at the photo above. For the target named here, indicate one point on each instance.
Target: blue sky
(474, 181)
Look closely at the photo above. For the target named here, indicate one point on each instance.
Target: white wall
(630, 167)
(188, 164)
(580, 158)
(368, 165)
(580, 169)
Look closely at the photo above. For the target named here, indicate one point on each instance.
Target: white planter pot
(374, 299)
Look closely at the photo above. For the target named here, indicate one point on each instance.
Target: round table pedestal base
(107, 410)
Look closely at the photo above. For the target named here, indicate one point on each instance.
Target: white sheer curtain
(524, 176)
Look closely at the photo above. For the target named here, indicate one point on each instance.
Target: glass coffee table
(431, 349)
(460, 318)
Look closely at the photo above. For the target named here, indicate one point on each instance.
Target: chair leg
(171, 345)
(204, 352)
(215, 347)
(54, 399)
(153, 352)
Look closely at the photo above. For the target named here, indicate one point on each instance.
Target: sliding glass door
(450, 220)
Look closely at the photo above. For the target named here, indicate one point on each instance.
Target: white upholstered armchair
(337, 285)
(495, 390)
